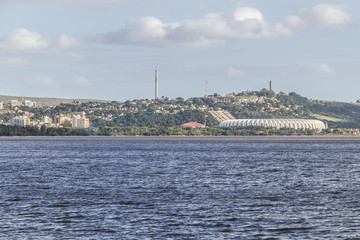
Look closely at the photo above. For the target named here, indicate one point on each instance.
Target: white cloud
(322, 15)
(67, 42)
(218, 28)
(147, 30)
(22, 39)
(246, 13)
(21, 45)
(323, 68)
(212, 29)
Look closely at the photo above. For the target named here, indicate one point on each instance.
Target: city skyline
(108, 49)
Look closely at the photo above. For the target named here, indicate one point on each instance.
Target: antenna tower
(156, 84)
(206, 89)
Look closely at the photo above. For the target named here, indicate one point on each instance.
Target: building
(15, 103)
(75, 121)
(46, 119)
(20, 121)
(276, 123)
(85, 123)
(1, 105)
(62, 119)
(80, 121)
(29, 103)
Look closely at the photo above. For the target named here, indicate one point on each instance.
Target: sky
(109, 49)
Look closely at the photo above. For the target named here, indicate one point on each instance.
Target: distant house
(15, 103)
(193, 125)
(29, 103)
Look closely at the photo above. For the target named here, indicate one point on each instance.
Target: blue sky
(108, 49)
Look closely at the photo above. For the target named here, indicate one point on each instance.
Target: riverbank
(185, 138)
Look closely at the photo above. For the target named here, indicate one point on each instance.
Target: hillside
(43, 101)
(267, 104)
(166, 113)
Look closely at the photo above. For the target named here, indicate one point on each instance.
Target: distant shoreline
(185, 138)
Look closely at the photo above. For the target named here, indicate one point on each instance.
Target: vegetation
(211, 131)
(43, 131)
(151, 119)
(164, 117)
(328, 119)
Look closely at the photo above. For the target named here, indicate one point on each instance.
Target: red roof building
(193, 125)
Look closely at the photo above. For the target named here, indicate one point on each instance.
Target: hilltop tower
(156, 85)
(206, 88)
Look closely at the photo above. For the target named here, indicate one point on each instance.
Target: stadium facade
(276, 123)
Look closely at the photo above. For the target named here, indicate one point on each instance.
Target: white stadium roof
(276, 123)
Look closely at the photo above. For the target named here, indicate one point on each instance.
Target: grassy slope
(327, 118)
(42, 101)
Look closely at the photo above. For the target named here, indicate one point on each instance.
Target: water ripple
(179, 190)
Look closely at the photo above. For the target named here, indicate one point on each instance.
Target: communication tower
(206, 89)
(156, 85)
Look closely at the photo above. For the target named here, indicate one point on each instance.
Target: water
(179, 190)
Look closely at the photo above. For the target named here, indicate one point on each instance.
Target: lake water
(98, 189)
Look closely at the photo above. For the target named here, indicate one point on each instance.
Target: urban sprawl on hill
(165, 116)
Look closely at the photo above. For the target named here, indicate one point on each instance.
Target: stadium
(276, 123)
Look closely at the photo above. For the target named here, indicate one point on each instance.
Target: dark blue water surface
(98, 189)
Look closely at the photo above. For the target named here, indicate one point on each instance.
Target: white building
(15, 103)
(46, 119)
(20, 121)
(75, 121)
(29, 103)
(80, 121)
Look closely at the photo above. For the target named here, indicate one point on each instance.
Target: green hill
(174, 112)
(267, 104)
(43, 101)
(165, 116)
